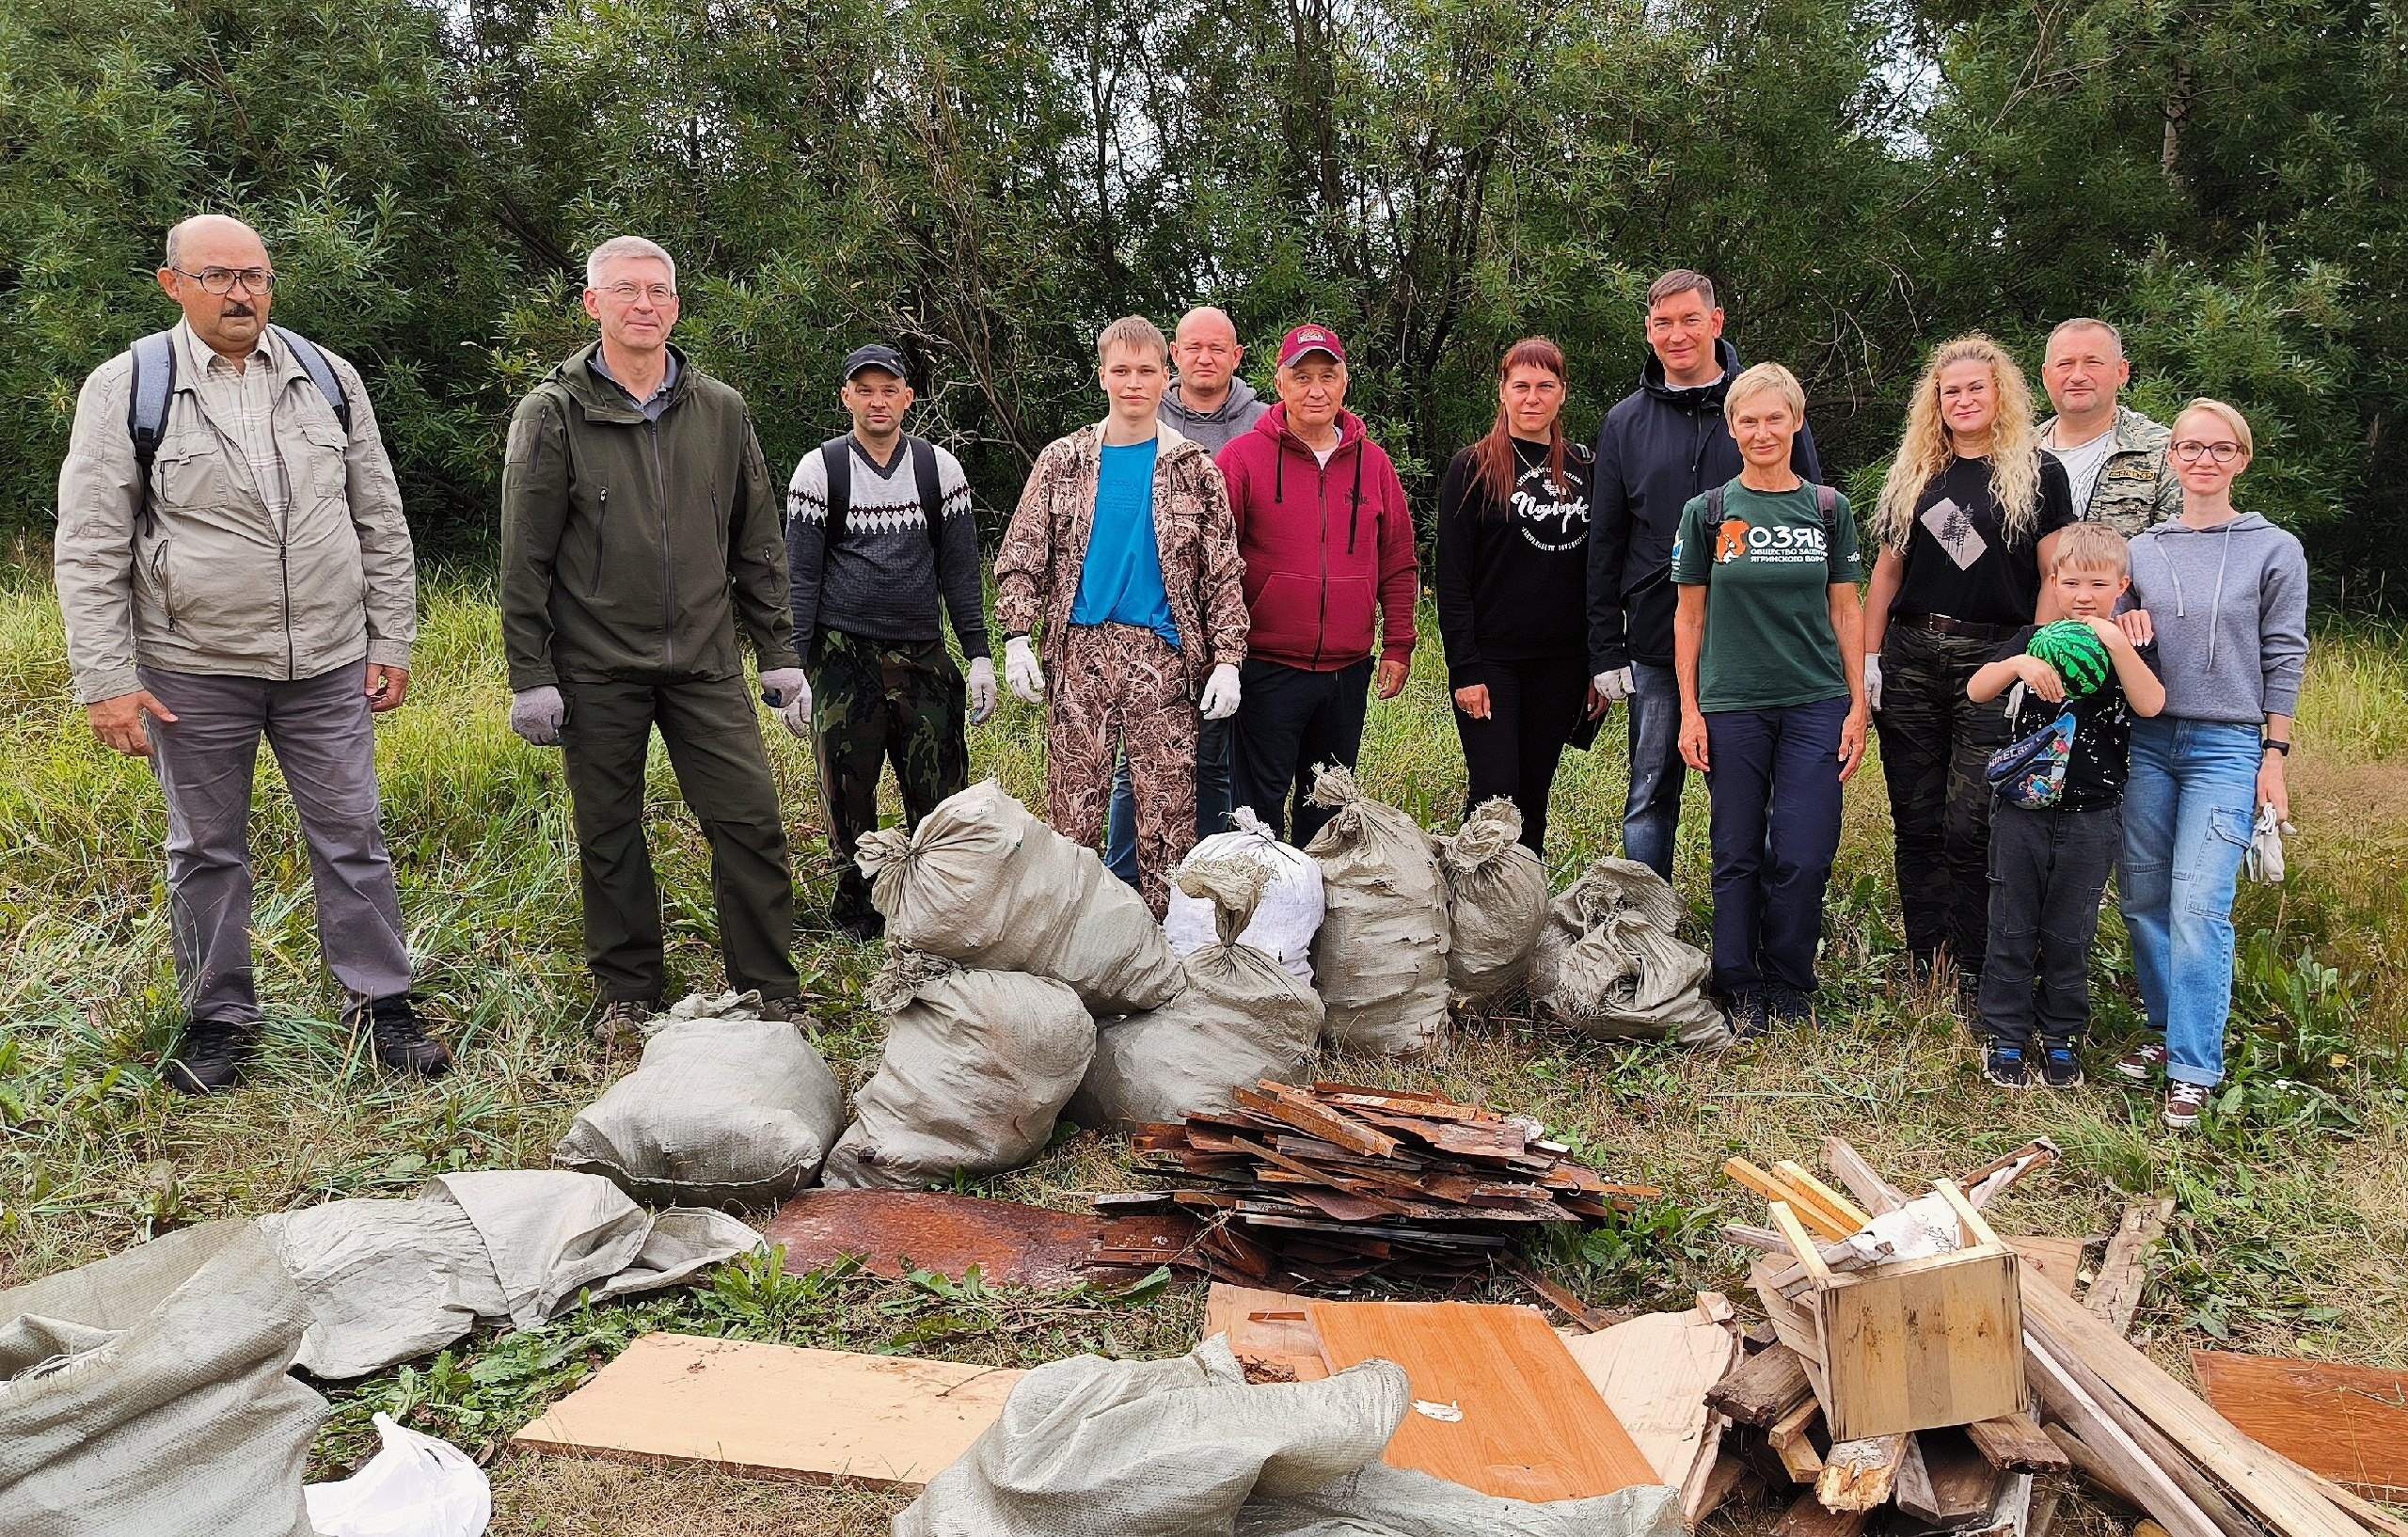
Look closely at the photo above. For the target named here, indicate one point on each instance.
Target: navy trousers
(1775, 786)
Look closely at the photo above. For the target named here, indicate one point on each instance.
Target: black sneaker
(208, 1058)
(2005, 1066)
(622, 1023)
(1786, 1006)
(400, 1040)
(1746, 1011)
(1968, 994)
(2059, 1066)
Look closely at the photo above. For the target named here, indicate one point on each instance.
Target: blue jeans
(1651, 818)
(1772, 851)
(2188, 814)
(1212, 799)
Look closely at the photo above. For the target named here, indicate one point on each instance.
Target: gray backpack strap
(836, 458)
(1826, 502)
(322, 374)
(145, 411)
(924, 471)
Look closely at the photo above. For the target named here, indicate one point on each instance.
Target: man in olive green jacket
(639, 527)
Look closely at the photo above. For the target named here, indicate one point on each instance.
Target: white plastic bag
(416, 1486)
(1284, 922)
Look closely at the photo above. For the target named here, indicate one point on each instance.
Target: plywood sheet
(1269, 1332)
(776, 1411)
(895, 1231)
(1654, 1372)
(2348, 1423)
(1514, 1416)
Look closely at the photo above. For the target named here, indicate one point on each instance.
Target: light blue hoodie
(2229, 604)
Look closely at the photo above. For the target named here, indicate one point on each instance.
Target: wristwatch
(2271, 745)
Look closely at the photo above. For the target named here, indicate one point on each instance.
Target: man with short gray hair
(2115, 457)
(232, 563)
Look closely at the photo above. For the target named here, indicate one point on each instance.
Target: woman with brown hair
(1965, 522)
(1512, 571)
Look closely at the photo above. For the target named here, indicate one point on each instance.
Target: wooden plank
(1809, 1518)
(2114, 1295)
(1761, 1389)
(1922, 1343)
(1832, 1202)
(1875, 1194)
(1772, 1188)
(2107, 1482)
(1585, 1318)
(1652, 1372)
(2123, 1466)
(2372, 1517)
(1531, 1427)
(2056, 1260)
(1310, 1116)
(1268, 1332)
(2346, 1423)
(1790, 1223)
(1726, 1479)
(2187, 1475)
(1945, 1483)
(2011, 1515)
(1792, 1441)
(1862, 1475)
(776, 1411)
(2262, 1480)
(2016, 1443)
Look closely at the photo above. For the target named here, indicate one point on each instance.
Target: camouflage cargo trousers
(1120, 688)
(1935, 746)
(873, 702)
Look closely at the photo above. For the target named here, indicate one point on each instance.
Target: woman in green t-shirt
(1768, 644)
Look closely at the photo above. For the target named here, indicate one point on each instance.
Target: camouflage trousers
(1935, 746)
(1122, 689)
(872, 702)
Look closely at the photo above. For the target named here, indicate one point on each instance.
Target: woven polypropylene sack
(1496, 900)
(977, 1067)
(724, 1110)
(1380, 960)
(1608, 963)
(1241, 1017)
(1384, 1501)
(1287, 918)
(184, 1422)
(985, 883)
(1091, 1447)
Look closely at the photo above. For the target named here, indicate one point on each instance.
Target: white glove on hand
(783, 686)
(795, 714)
(1220, 699)
(1614, 687)
(1873, 682)
(538, 714)
(982, 689)
(1021, 671)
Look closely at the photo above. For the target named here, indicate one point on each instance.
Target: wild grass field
(2291, 1234)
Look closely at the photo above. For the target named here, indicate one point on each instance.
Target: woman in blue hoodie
(2224, 594)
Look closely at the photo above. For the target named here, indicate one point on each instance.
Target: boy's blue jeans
(2188, 813)
(1212, 799)
(2048, 869)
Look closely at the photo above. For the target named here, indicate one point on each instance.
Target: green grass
(2292, 1235)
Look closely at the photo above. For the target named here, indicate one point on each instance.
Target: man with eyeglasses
(232, 563)
(2113, 456)
(640, 529)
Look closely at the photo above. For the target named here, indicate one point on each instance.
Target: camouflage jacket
(2136, 487)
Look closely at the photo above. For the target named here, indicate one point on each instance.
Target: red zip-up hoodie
(1322, 544)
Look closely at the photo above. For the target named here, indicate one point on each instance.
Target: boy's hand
(2040, 678)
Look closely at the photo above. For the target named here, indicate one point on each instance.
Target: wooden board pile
(1324, 1185)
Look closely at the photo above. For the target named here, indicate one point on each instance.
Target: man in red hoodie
(1322, 525)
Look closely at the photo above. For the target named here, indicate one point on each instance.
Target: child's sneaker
(2059, 1066)
(1746, 1011)
(1786, 1006)
(2003, 1066)
(2183, 1104)
(2144, 1062)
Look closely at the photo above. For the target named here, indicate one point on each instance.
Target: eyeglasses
(2190, 451)
(222, 280)
(659, 294)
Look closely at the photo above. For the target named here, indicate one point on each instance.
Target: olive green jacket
(631, 548)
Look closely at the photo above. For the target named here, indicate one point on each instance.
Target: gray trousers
(205, 760)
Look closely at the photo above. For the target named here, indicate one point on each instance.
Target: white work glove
(795, 714)
(1872, 683)
(1612, 687)
(538, 714)
(1021, 671)
(783, 686)
(982, 689)
(1220, 699)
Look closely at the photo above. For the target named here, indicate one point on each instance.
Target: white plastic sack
(726, 1109)
(1380, 960)
(985, 883)
(977, 1065)
(415, 1486)
(1242, 1017)
(1496, 900)
(1608, 963)
(1284, 922)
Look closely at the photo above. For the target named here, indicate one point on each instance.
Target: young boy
(2049, 867)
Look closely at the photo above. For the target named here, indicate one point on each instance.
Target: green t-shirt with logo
(1768, 641)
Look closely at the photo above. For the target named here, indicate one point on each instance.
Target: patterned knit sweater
(882, 581)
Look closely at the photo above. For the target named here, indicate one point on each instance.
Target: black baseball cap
(878, 355)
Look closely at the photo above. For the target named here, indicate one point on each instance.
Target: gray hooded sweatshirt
(1214, 429)
(2229, 604)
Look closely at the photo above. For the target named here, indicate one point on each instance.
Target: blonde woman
(1965, 525)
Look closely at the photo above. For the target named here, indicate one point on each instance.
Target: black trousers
(1935, 746)
(1533, 705)
(2048, 870)
(1290, 722)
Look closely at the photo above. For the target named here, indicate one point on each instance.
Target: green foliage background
(985, 182)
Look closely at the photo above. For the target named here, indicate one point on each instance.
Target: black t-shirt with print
(2101, 758)
(1960, 562)
(1512, 580)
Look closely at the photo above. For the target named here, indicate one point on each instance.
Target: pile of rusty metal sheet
(1322, 1186)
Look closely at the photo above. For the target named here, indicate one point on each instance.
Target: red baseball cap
(1307, 339)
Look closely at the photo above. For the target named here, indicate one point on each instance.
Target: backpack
(1827, 502)
(154, 384)
(836, 457)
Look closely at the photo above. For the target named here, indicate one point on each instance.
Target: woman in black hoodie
(1512, 568)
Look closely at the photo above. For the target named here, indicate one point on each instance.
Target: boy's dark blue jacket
(1657, 449)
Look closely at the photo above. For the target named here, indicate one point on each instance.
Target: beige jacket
(217, 587)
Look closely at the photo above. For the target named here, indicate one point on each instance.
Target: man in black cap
(879, 525)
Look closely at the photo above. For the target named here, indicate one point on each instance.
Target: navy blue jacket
(1658, 450)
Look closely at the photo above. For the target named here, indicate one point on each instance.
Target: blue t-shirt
(1122, 581)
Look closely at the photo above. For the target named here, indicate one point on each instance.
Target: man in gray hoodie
(1210, 405)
